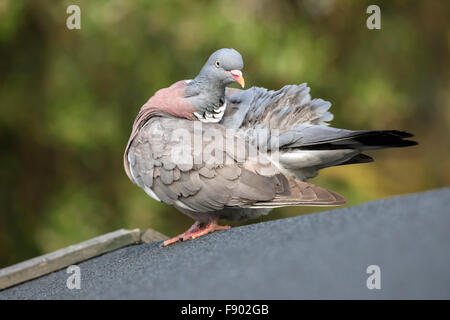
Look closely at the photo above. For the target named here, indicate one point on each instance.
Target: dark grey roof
(321, 255)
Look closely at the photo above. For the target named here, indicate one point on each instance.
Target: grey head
(222, 68)
(207, 91)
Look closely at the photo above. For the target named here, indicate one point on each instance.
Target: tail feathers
(324, 147)
(302, 194)
(365, 140)
(359, 158)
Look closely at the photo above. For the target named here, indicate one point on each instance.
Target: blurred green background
(68, 99)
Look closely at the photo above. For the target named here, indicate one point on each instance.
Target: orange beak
(237, 75)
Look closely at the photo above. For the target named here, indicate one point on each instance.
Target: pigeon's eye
(217, 63)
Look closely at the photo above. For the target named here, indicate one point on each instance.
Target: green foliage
(68, 99)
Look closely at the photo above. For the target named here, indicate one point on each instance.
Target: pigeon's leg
(195, 227)
(212, 226)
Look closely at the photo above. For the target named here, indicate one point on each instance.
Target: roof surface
(317, 256)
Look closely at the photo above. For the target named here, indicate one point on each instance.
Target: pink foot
(197, 231)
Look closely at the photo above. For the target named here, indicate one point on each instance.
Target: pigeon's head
(224, 66)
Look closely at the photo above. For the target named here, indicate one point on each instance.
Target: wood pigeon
(214, 152)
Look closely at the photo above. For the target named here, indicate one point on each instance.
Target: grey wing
(218, 179)
(289, 121)
(283, 109)
(282, 119)
(279, 121)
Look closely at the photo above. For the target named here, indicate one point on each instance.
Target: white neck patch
(213, 117)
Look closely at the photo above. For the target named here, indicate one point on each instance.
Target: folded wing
(167, 161)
